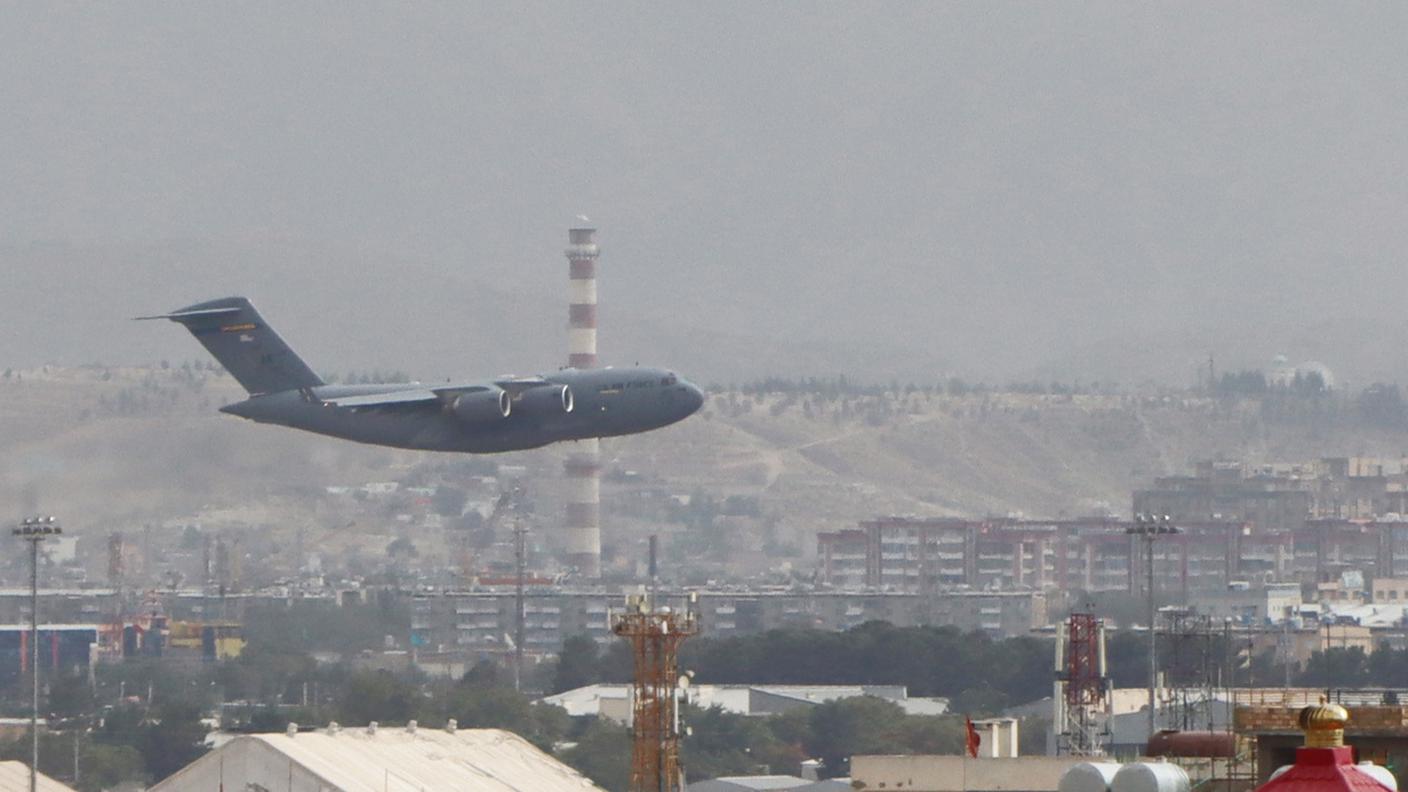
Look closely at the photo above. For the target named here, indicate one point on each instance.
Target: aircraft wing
(410, 396)
(443, 393)
(517, 385)
(385, 399)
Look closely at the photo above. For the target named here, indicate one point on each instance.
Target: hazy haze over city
(908, 190)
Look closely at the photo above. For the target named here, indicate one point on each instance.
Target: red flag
(972, 740)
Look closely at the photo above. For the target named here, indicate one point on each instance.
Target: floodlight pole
(1149, 527)
(34, 530)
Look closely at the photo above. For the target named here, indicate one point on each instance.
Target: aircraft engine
(550, 400)
(481, 406)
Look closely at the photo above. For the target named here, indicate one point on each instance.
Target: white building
(613, 701)
(14, 777)
(365, 759)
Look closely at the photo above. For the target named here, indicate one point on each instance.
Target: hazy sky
(994, 189)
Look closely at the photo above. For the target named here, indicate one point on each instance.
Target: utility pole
(520, 561)
(1149, 527)
(35, 530)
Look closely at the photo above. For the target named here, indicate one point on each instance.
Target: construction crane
(655, 635)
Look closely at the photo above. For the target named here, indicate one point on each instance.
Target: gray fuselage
(604, 403)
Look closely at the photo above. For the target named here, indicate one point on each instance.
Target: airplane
(504, 414)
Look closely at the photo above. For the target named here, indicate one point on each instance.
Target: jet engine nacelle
(546, 400)
(482, 406)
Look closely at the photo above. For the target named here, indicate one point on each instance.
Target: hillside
(115, 449)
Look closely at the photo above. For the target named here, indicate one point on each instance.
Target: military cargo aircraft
(504, 414)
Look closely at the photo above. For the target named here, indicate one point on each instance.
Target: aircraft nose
(694, 397)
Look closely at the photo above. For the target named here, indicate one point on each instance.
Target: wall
(957, 773)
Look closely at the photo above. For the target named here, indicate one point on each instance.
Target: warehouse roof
(14, 777)
(366, 760)
(777, 783)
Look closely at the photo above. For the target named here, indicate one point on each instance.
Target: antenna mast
(655, 635)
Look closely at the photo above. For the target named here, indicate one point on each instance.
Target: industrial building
(612, 701)
(367, 758)
(61, 646)
(70, 605)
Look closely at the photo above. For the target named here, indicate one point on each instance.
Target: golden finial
(1323, 724)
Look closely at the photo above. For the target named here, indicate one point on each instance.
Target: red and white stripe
(582, 253)
(582, 548)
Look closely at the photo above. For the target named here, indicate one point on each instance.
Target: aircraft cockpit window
(669, 380)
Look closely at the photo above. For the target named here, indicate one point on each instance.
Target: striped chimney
(583, 465)
(581, 310)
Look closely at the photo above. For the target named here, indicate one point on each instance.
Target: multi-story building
(483, 622)
(1282, 497)
(933, 555)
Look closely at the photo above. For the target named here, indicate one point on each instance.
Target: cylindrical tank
(1202, 744)
(1150, 777)
(1378, 773)
(1088, 777)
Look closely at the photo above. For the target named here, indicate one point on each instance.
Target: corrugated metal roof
(781, 783)
(468, 760)
(14, 777)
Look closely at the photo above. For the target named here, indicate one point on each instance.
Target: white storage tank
(1150, 777)
(1378, 773)
(1088, 777)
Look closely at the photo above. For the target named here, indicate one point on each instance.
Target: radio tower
(655, 636)
(583, 463)
(1082, 700)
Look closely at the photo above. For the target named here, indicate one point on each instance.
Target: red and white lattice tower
(1082, 687)
(583, 464)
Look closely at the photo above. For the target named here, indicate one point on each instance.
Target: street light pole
(1149, 527)
(35, 530)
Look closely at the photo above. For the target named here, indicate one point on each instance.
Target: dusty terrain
(117, 449)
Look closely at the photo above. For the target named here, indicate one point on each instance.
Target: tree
(377, 696)
(106, 766)
(1337, 667)
(577, 664)
(603, 754)
(723, 743)
(839, 729)
(174, 739)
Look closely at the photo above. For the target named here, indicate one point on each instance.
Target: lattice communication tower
(1082, 687)
(655, 635)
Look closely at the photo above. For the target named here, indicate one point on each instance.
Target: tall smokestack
(583, 464)
(582, 253)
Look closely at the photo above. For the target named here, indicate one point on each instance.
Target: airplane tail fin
(235, 333)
